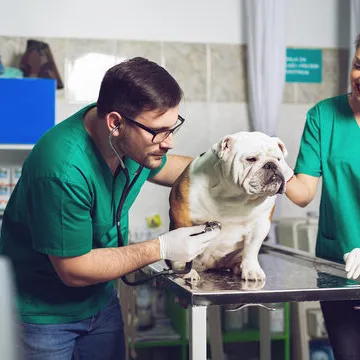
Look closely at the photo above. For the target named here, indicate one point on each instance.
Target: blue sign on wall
(27, 109)
(304, 65)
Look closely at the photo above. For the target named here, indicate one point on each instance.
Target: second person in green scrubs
(330, 148)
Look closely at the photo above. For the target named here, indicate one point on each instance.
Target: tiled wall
(213, 77)
(206, 72)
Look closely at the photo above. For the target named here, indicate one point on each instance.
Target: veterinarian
(59, 227)
(330, 148)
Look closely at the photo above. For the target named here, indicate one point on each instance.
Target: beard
(153, 161)
(149, 158)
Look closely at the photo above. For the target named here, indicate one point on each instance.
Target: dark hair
(137, 85)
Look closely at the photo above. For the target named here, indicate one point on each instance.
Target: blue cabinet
(27, 109)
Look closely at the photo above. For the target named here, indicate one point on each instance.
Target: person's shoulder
(331, 102)
(328, 105)
(59, 148)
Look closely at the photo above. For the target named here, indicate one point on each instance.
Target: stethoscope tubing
(127, 188)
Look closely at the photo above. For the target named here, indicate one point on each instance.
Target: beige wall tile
(146, 49)
(187, 64)
(289, 93)
(85, 65)
(335, 68)
(334, 78)
(228, 79)
(311, 93)
(10, 52)
(80, 47)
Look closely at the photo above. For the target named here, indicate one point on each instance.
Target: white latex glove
(178, 245)
(352, 263)
(288, 172)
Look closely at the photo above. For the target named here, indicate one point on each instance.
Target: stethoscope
(128, 186)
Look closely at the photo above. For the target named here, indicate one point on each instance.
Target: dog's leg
(250, 268)
(193, 275)
(180, 216)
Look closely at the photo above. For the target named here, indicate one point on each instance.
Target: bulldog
(236, 183)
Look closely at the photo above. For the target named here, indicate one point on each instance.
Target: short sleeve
(59, 217)
(309, 157)
(153, 172)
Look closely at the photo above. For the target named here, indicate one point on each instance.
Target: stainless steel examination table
(291, 276)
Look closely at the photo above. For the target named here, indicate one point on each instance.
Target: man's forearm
(105, 264)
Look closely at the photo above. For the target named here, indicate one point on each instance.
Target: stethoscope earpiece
(112, 132)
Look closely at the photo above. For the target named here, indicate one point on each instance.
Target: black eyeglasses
(158, 135)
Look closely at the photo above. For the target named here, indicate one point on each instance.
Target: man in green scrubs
(330, 148)
(60, 225)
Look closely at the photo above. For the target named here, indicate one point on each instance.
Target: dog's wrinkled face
(253, 161)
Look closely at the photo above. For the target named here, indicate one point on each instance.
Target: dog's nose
(270, 166)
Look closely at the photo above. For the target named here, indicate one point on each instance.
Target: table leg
(265, 335)
(215, 333)
(197, 332)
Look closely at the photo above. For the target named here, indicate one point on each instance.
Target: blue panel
(27, 109)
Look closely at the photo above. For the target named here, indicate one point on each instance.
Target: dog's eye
(251, 159)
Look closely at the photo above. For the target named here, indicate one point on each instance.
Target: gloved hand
(178, 245)
(352, 263)
(288, 172)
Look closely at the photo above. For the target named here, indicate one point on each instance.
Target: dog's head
(253, 161)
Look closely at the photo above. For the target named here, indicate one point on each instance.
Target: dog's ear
(222, 148)
(281, 146)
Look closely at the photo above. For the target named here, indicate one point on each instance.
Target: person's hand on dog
(180, 245)
(352, 263)
(288, 172)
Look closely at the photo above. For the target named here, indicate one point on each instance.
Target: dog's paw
(252, 285)
(193, 276)
(250, 271)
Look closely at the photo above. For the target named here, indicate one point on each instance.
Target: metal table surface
(291, 276)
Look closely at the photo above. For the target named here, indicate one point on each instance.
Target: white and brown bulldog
(236, 183)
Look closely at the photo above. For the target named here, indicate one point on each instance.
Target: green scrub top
(64, 204)
(330, 148)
